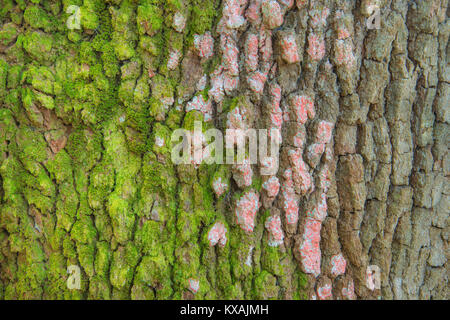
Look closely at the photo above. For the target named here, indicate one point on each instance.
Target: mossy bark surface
(87, 179)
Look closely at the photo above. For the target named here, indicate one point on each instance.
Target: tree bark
(87, 178)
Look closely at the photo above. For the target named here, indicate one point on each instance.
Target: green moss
(60, 167)
(202, 16)
(265, 286)
(3, 77)
(8, 33)
(149, 19)
(39, 46)
(89, 17)
(37, 18)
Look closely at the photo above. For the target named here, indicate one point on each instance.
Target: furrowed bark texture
(86, 176)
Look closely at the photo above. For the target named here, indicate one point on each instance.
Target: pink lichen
(300, 173)
(230, 83)
(319, 212)
(235, 119)
(232, 14)
(276, 114)
(246, 208)
(269, 165)
(272, 186)
(217, 235)
(338, 265)
(287, 3)
(319, 17)
(344, 55)
(349, 291)
(251, 52)
(204, 44)
(309, 249)
(343, 33)
(230, 57)
(194, 285)
(219, 187)
(324, 178)
(243, 173)
(289, 50)
(316, 47)
(301, 3)
(265, 47)
(272, 15)
(174, 58)
(159, 141)
(256, 81)
(199, 103)
(324, 292)
(217, 78)
(299, 139)
(253, 11)
(302, 108)
(289, 204)
(202, 83)
(323, 134)
(276, 236)
(179, 22)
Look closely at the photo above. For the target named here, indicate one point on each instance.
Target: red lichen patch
(230, 83)
(301, 3)
(272, 15)
(217, 78)
(194, 285)
(309, 248)
(302, 108)
(324, 130)
(300, 138)
(243, 173)
(246, 208)
(349, 291)
(338, 265)
(289, 49)
(272, 186)
(230, 57)
(344, 55)
(232, 13)
(235, 119)
(265, 48)
(287, 3)
(179, 22)
(204, 44)
(256, 81)
(174, 59)
(324, 178)
(316, 47)
(289, 204)
(217, 235)
(199, 103)
(324, 292)
(319, 17)
(253, 12)
(269, 164)
(219, 186)
(251, 52)
(301, 176)
(276, 236)
(319, 212)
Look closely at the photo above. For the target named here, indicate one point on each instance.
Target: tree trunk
(88, 180)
